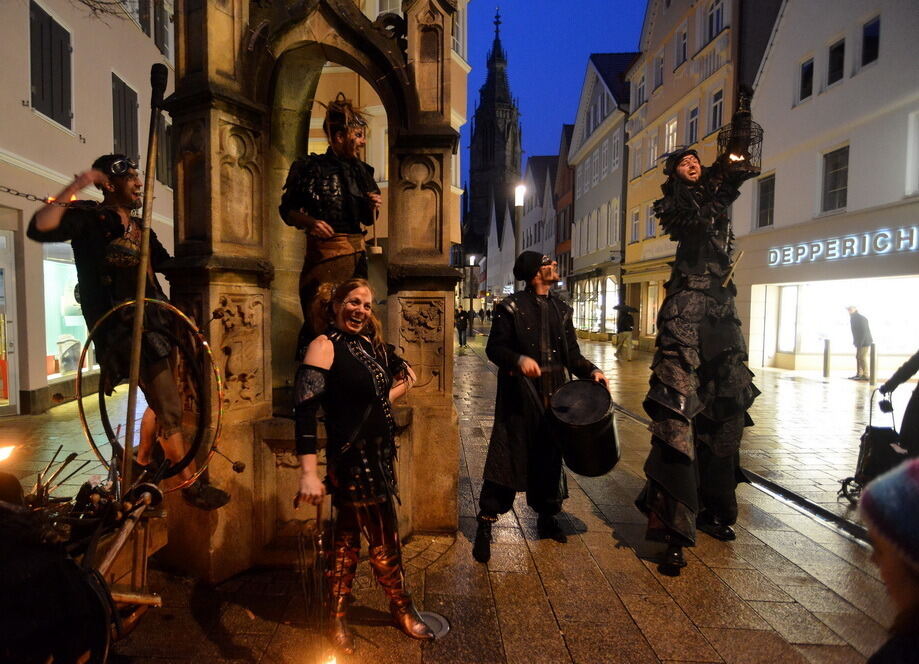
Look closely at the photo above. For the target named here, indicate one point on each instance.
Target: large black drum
(581, 412)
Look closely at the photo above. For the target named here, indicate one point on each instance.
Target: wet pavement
(789, 589)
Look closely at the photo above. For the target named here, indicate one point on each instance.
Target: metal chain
(32, 197)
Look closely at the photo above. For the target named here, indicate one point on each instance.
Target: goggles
(121, 166)
(545, 261)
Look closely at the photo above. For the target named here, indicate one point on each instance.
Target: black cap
(675, 157)
(527, 265)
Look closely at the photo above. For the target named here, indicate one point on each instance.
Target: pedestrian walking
(482, 315)
(461, 320)
(700, 387)
(890, 508)
(533, 342)
(624, 326)
(354, 377)
(909, 426)
(861, 338)
(332, 197)
(488, 314)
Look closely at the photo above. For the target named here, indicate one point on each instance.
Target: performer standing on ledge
(532, 340)
(106, 250)
(700, 387)
(332, 196)
(350, 372)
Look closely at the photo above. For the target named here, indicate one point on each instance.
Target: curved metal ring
(210, 356)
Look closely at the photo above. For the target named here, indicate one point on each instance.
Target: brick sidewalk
(787, 590)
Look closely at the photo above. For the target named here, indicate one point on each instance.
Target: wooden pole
(158, 74)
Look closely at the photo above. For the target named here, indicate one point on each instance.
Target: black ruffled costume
(700, 388)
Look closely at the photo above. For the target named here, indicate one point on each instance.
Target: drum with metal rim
(581, 412)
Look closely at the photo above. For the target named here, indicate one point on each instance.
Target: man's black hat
(675, 157)
(527, 265)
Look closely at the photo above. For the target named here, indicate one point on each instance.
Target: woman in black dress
(354, 376)
(700, 387)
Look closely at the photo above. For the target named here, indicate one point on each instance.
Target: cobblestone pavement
(789, 589)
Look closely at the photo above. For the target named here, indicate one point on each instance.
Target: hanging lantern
(740, 144)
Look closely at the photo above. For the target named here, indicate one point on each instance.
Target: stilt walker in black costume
(700, 387)
(353, 375)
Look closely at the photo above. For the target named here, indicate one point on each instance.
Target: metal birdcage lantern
(740, 144)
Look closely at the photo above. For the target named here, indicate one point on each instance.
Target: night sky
(547, 44)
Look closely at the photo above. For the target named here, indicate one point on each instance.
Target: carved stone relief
(240, 357)
(420, 202)
(240, 190)
(421, 340)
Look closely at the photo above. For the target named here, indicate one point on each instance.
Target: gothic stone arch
(245, 72)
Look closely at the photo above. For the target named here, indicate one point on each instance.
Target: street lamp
(469, 281)
(520, 192)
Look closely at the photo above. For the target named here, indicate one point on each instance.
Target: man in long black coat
(533, 342)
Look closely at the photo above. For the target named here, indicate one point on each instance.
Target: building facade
(564, 207)
(78, 88)
(598, 156)
(537, 224)
(832, 220)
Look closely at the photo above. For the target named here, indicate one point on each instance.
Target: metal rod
(139, 599)
(873, 365)
(126, 529)
(64, 481)
(826, 358)
(730, 275)
(64, 464)
(41, 475)
(158, 84)
(634, 416)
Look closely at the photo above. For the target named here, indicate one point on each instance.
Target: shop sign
(873, 243)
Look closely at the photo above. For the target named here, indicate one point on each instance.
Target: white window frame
(459, 29)
(692, 125)
(604, 157)
(670, 134)
(595, 168)
(653, 145)
(635, 226)
(640, 92)
(842, 75)
(636, 160)
(757, 222)
(861, 46)
(714, 20)
(612, 216)
(681, 48)
(800, 80)
(716, 111)
(617, 152)
(658, 70)
(650, 222)
(823, 183)
(394, 6)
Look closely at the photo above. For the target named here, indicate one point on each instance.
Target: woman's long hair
(322, 311)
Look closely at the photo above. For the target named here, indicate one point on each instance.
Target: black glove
(886, 388)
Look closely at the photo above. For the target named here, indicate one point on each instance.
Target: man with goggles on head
(106, 239)
(532, 340)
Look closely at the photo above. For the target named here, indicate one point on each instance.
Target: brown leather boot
(387, 567)
(340, 577)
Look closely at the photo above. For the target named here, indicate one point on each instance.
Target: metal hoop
(196, 333)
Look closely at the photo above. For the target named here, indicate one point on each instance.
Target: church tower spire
(494, 162)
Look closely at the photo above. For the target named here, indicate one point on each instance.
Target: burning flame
(51, 199)
(331, 660)
(73, 197)
(736, 157)
(6, 451)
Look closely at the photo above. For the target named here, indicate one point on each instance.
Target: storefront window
(650, 311)
(611, 296)
(65, 329)
(788, 318)
(893, 326)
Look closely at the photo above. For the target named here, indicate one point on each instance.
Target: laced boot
(387, 567)
(340, 578)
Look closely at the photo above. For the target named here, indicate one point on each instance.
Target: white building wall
(40, 156)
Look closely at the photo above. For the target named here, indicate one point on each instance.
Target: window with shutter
(162, 27)
(124, 119)
(164, 151)
(50, 70)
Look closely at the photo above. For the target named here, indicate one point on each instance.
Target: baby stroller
(878, 452)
